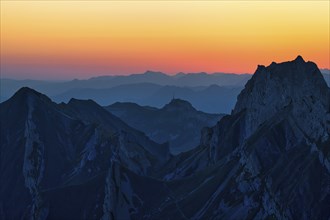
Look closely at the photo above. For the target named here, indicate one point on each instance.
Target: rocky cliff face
(296, 85)
(294, 89)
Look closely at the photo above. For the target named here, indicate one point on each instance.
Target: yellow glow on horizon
(171, 36)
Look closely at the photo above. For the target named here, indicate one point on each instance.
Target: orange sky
(81, 39)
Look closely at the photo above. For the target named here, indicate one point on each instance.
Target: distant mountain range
(150, 88)
(268, 159)
(180, 79)
(212, 93)
(178, 122)
(212, 99)
(52, 88)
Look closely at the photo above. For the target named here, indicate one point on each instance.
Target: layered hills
(177, 123)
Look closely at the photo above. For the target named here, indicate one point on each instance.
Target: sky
(82, 39)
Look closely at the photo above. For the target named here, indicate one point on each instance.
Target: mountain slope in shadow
(45, 146)
(178, 122)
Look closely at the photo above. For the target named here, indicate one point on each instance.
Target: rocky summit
(269, 159)
(296, 86)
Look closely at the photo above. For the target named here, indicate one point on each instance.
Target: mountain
(46, 148)
(178, 122)
(213, 93)
(194, 87)
(104, 89)
(180, 79)
(269, 159)
(204, 79)
(127, 93)
(51, 88)
(212, 99)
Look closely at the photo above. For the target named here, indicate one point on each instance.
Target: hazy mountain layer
(212, 99)
(150, 88)
(52, 88)
(185, 86)
(178, 122)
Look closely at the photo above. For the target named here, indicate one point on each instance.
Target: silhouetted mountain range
(150, 88)
(9, 86)
(268, 159)
(178, 122)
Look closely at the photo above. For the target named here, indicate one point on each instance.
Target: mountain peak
(74, 101)
(179, 104)
(28, 93)
(299, 59)
(84, 104)
(295, 85)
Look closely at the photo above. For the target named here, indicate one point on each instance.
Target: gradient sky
(81, 39)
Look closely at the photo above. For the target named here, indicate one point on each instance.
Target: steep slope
(178, 122)
(93, 113)
(273, 150)
(45, 146)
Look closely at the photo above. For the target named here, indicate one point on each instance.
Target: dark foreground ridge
(269, 159)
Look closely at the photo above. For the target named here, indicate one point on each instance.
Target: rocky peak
(178, 105)
(83, 103)
(295, 86)
(26, 93)
(25, 100)
(299, 59)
